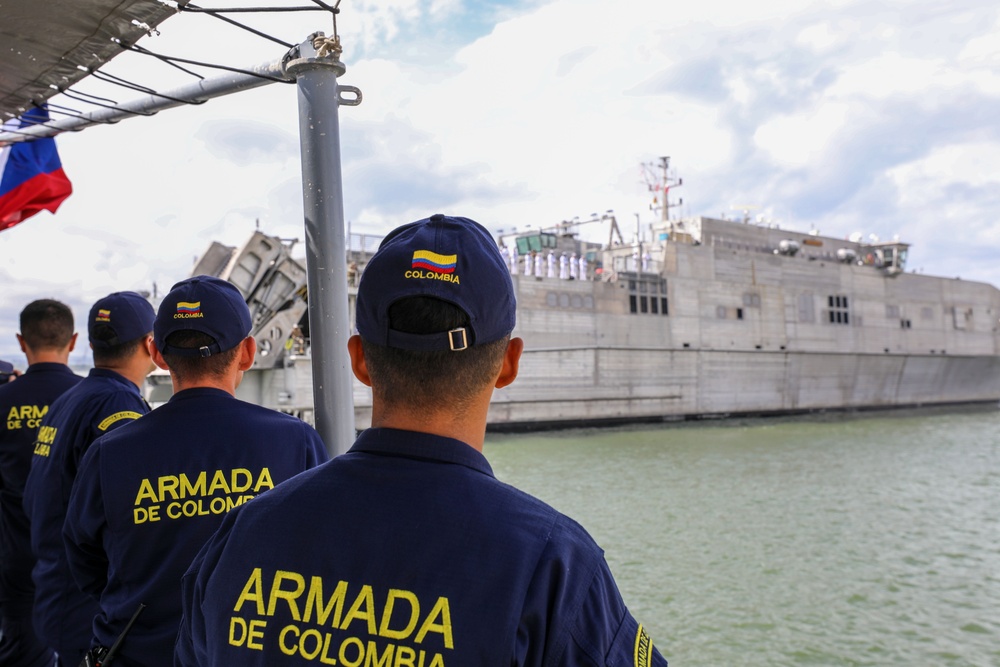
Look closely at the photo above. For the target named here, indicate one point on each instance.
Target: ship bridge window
(838, 312)
(647, 294)
(536, 242)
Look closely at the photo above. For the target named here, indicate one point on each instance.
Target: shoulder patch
(118, 416)
(643, 648)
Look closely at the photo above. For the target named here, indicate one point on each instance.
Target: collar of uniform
(199, 392)
(48, 367)
(113, 375)
(422, 446)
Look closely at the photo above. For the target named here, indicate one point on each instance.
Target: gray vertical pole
(326, 252)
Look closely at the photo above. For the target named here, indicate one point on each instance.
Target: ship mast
(664, 184)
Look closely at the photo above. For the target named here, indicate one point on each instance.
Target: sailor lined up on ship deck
(538, 265)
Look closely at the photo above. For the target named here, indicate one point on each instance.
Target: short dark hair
(425, 380)
(185, 367)
(106, 356)
(47, 324)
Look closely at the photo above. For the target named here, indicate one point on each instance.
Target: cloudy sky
(844, 116)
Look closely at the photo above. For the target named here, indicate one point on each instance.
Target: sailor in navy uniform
(119, 327)
(147, 497)
(421, 556)
(46, 338)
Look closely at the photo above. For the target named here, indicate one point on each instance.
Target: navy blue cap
(6, 367)
(449, 258)
(128, 314)
(207, 304)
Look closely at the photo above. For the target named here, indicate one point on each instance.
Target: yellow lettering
(118, 416)
(264, 481)
(362, 609)
(196, 489)
(310, 654)
(325, 658)
(288, 650)
(231, 502)
(42, 450)
(352, 641)
(256, 631)
(218, 482)
(13, 414)
(252, 592)
(238, 486)
(144, 514)
(236, 623)
(390, 603)
(314, 600)
(405, 657)
(29, 412)
(47, 434)
(372, 658)
(442, 610)
(288, 596)
(145, 493)
(168, 484)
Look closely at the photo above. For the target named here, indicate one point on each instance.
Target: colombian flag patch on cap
(189, 307)
(425, 259)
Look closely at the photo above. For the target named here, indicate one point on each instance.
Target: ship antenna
(664, 184)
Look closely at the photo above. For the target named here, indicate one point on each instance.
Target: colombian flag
(425, 259)
(189, 307)
(31, 175)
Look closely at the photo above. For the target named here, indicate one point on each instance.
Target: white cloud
(803, 139)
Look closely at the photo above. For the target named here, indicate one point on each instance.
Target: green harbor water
(837, 540)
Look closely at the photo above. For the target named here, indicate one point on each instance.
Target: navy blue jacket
(405, 550)
(148, 496)
(23, 404)
(102, 402)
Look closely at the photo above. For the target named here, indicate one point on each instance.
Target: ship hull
(597, 386)
(664, 385)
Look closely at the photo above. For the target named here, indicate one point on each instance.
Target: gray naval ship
(709, 318)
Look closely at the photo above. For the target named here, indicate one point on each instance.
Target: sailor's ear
(511, 359)
(156, 355)
(248, 352)
(358, 365)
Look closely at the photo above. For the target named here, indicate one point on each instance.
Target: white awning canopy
(49, 45)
